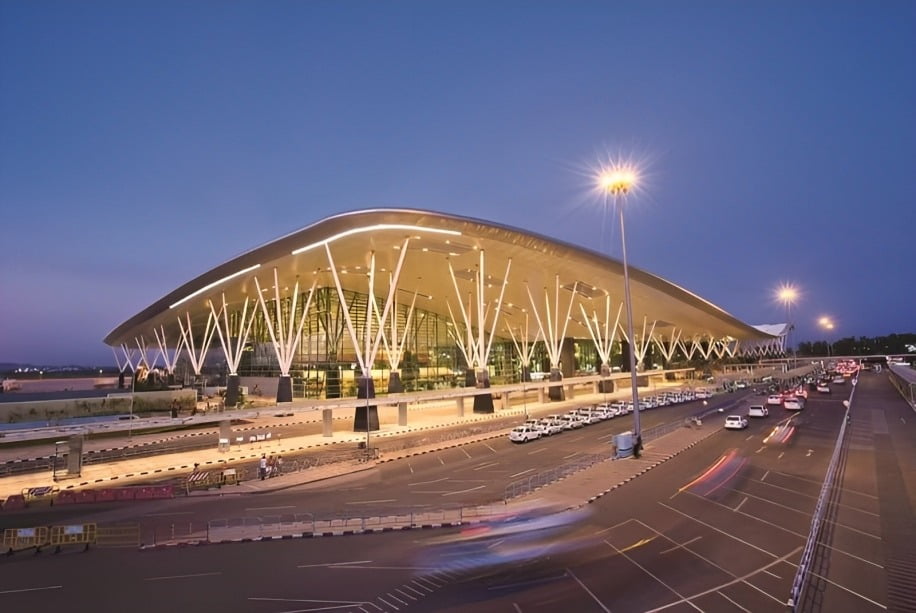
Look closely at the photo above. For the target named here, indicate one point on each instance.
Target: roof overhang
(435, 240)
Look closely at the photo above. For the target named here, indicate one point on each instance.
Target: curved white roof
(434, 240)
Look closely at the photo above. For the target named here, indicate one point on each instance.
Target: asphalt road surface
(719, 528)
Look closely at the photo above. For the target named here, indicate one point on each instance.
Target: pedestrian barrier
(118, 535)
(18, 539)
(78, 534)
(125, 493)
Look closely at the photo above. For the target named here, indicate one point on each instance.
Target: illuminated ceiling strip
(381, 226)
(214, 284)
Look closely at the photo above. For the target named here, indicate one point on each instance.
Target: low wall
(52, 411)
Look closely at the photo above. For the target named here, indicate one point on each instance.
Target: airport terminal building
(406, 300)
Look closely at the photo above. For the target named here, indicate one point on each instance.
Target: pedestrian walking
(279, 465)
(271, 466)
(262, 467)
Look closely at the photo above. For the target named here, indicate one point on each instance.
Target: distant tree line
(863, 345)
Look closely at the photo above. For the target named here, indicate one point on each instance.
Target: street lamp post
(788, 294)
(827, 324)
(617, 182)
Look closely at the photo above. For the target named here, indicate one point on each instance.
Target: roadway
(720, 528)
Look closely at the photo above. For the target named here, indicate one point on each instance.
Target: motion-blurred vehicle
(823, 388)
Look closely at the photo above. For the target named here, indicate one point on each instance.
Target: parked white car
(523, 434)
(702, 393)
(551, 426)
(571, 421)
(735, 422)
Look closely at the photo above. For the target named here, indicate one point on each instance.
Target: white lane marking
(441, 461)
(733, 602)
(761, 449)
(410, 467)
(421, 586)
(678, 545)
(541, 450)
(846, 553)
(588, 591)
(388, 604)
(428, 482)
(490, 448)
(479, 487)
(749, 437)
(808, 455)
(32, 589)
(877, 604)
(772, 574)
(779, 457)
(609, 528)
(518, 609)
(711, 563)
(742, 579)
(846, 490)
(723, 532)
(338, 604)
(740, 503)
(405, 594)
(521, 473)
(465, 452)
(183, 576)
(398, 599)
(646, 570)
(372, 501)
(289, 506)
(574, 453)
(764, 477)
(844, 506)
(168, 514)
(487, 465)
(769, 523)
(330, 564)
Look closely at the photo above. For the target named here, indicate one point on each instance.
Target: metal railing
(802, 575)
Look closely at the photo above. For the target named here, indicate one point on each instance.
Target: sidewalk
(137, 470)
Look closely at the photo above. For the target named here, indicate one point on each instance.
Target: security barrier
(79, 534)
(40, 494)
(118, 535)
(14, 502)
(17, 539)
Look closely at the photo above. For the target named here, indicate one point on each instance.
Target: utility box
(623, 442)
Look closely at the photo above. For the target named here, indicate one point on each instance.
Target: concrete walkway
(144, 469)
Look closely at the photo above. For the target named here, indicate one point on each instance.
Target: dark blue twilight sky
(142, 143)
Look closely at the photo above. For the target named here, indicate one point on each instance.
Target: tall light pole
(827, 324)
(787, 294)
(617, 181)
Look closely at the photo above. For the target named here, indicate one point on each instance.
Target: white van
(758, 410)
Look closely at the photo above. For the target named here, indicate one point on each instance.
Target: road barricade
(107, 494)
(155, 492)
(14, 503)
(17, 539)
(199, 480)
(45, 493)
(125, 493)
(75, 497)
(78, 534)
